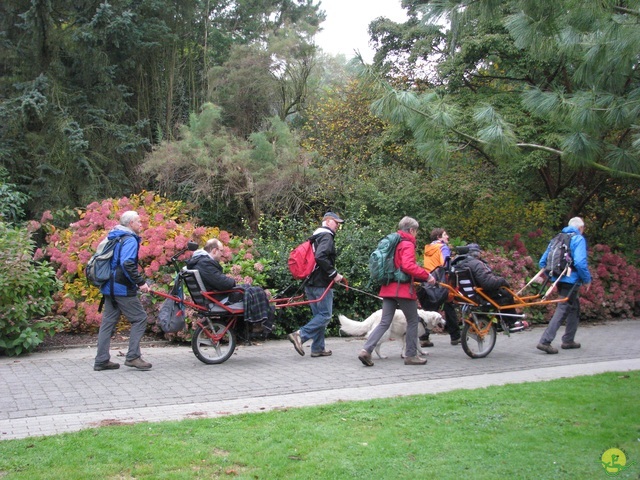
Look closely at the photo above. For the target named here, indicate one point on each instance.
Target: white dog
(398, 328)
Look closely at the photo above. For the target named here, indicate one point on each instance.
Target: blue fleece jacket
(579, 270)
(127, 274)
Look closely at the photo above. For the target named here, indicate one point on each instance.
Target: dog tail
(353, 328)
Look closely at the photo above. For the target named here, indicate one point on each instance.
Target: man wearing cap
(317, 283)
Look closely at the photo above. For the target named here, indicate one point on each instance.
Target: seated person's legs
(503, 297)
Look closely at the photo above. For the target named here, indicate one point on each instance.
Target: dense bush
(167, 228)
(26, 292)
(11, 200)
(354, 243)
(615, 287)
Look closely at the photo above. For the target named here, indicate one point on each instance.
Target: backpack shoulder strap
(116, 255)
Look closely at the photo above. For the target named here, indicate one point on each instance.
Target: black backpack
(559, 256)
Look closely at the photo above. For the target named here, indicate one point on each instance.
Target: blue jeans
(322, 312)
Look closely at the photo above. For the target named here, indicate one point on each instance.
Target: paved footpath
(57, 391)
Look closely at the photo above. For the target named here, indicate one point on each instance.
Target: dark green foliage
(545, 91)
(354, 243)
(87, 88)
(11, 200)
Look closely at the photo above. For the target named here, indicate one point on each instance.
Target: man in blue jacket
(568, 311)
(121, 296)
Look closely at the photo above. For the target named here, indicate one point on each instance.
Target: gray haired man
(121, 296)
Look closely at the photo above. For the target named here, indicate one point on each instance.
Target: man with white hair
(568, 286)
(121, 296)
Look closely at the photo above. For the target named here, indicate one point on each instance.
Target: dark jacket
(125, 262)
(325, 253)
(210, 272)
(482, 274)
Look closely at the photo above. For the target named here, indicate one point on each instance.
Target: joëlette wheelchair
(483, 315)
(220, 315)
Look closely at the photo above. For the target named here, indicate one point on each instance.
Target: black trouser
(450, 316)
(502, 297)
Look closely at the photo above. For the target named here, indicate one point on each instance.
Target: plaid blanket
(257, 308)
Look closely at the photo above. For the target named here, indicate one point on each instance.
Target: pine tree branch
(613, 172)
(544, 148)
(627, 10)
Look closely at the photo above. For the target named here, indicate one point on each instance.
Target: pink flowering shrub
(615, 288)
(166, 229)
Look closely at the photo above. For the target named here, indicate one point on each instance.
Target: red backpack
(302, 260)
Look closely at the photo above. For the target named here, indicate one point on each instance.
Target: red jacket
(405, 260)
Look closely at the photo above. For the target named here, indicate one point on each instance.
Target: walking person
(568, 285)
(324, 273)
(437, 256)
(401, 295)
(120, 296)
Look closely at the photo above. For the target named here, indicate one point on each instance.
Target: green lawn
(545, 430)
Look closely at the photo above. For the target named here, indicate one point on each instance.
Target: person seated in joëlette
(256, 303)
(492, 284)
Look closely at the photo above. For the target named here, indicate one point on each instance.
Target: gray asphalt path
(57, 391)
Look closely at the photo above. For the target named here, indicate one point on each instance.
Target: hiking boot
(324, 353)
(417, 360)
(456, 341)
(365, 358)
(297, 343)
(138, 363)
(426, 343)
(106, 366)
(570, 345)
(545, 347)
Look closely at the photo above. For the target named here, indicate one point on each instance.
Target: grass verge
(545, 430)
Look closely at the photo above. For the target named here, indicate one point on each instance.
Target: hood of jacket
(197, 257)
(119, 231)
(407, 236)
(570, 230)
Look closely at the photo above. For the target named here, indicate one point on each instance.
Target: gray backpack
(98, 269)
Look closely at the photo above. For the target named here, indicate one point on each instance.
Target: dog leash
(346, 285)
